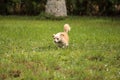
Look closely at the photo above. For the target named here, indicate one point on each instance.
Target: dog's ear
(53, 35)
(61, 34)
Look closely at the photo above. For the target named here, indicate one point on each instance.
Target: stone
(56, 8)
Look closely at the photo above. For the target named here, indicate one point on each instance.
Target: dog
(61, 39)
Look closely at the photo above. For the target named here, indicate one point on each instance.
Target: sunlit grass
(27, 51)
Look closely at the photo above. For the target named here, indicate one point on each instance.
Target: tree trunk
(56, 8)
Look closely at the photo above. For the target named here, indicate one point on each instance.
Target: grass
(27, 51)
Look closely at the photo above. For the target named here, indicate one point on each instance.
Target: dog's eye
(57, 38)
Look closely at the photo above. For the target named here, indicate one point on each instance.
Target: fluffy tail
(66, 28)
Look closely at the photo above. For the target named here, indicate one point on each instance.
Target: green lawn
(27, 51)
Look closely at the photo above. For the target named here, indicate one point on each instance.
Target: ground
(27, 51)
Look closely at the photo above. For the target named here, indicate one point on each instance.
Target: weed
(27, 51)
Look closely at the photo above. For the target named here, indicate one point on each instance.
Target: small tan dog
(62, 38)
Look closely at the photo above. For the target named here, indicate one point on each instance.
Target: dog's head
(57, 37)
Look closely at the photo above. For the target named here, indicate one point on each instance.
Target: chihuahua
(62, 38)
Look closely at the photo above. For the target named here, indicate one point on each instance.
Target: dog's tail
(66, 28)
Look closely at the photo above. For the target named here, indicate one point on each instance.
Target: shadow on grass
(44, 48)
